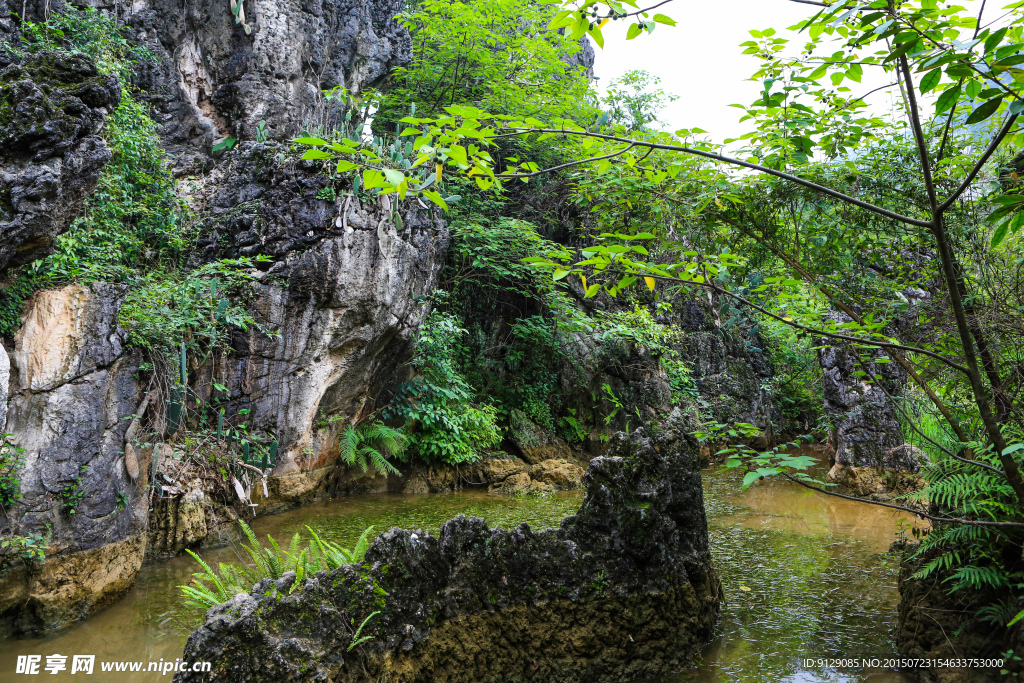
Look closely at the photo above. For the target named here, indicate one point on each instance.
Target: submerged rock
(624, 589)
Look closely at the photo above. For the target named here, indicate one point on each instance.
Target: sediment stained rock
(624, 589)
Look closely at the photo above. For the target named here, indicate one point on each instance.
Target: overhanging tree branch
(727, 160)
(919, 513)
(996, 140)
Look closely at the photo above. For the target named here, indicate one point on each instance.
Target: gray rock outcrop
(866, 426)
(624, 589)
(213, 80)
(52, 107)
(343, 288)
(72, 385)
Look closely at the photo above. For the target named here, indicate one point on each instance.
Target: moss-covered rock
(52, 107)
(624, 589)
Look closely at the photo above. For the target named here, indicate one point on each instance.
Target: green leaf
(947, 99)
(1000, 233)
(749, 478)
(984, 111)
(993, 40)
(592, 291)
(224, 145)
(435, 197)
(315, 142)
(634, 31)
(930, 80)
(597, 37)
(662, 19)
(344, 165)
(316, 154)
(1013, 449)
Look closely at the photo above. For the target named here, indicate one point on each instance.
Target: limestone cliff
(52, 108)
(342, 290)
(71, 384)
(214, 80)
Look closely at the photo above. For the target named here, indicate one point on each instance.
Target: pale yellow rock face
(68, 587)
(561, 474)
(48, 345)
(873, 483)
(499, 470)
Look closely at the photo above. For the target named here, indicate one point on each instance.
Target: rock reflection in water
(819, 584)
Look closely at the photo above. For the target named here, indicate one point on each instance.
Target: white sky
(699, 59)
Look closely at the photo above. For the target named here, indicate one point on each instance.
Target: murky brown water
(820, 585)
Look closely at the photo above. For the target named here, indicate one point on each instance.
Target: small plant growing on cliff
(73, 493)
(31, 548)
(10, 462)
(370, 445)
(357, 639)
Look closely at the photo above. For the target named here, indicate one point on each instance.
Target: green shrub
(11, 459)
(370, 445)
(133, 221)
(442, 421)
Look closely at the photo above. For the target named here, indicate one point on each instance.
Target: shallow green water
(819, 583)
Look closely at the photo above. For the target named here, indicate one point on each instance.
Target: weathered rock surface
(624, 589)
(189, 519)
(212, 80)
(342, 291)
(72, 384)
(729, 367)
(52, 107)
(68, 586)
(875, 483)
(560, 474)
(867, 426)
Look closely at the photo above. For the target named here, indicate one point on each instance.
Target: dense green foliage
(895, 237)
(443, 422)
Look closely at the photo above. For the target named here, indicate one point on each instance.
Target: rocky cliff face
(867, 427)
(52, 107)
(213, 79)
(624, 589)
(342, 289)
(71, 383)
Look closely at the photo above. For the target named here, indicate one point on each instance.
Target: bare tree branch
(925, 515)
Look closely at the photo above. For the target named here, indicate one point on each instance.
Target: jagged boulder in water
(52, 108)
(624, 589)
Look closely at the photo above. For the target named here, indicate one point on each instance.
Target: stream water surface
(805, 576)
